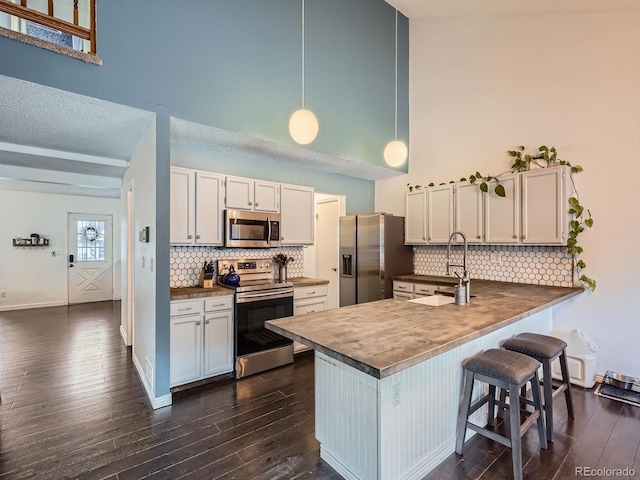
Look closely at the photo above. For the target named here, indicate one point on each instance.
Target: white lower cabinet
(409, 290)
(308, 300)
(201, 343)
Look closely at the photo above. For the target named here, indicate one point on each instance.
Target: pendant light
(395, 153)
(303, 124)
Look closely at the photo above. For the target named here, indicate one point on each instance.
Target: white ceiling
(416, 9)
(82, 143)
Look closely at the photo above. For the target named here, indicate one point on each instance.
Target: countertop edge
(393, 369)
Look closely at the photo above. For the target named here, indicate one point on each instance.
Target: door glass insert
(90, 241)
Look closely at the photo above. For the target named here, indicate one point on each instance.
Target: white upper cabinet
(469, 211)
(239, 193)
(196, 205)
(415, 222)
(209, 208)
(439, 213)
(249, 194)
(545, 207)
(296, 215)
(502, 214)
(182, 209)
(267, 196)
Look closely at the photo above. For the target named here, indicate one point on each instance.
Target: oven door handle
(256, 297)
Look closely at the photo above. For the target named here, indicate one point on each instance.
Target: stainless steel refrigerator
(372, 251)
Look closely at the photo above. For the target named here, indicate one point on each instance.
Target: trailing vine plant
(580, 216)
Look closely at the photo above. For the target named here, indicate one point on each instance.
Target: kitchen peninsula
(388, 373)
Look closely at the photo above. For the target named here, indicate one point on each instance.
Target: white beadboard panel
(540, 322)
(347, 418)
(367, 431)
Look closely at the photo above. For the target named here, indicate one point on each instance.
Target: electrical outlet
(496, 258)
(396, 394)
(3, 294)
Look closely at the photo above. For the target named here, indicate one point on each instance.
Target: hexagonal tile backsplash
(516, 264)
(186, 262)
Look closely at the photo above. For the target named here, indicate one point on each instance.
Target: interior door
(90, 261)
(328, 255)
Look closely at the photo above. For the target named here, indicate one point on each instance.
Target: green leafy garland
(544, 157)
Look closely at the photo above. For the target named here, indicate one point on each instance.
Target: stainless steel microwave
(244, 229)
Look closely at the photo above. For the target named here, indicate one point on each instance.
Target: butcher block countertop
(384, 337)
(307, 281)
(184, 293)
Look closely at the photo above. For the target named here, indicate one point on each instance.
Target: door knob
(71, 265)
(334, 269)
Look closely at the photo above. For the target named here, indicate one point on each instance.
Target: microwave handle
(269, 230)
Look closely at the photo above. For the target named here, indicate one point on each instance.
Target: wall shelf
(27, 242)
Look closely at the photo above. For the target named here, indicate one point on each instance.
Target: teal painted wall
(236, 65)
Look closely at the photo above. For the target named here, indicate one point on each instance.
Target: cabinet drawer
(218, 303)
(189, 307)
(423, 289)
(403, 287)
(300, 308)
(402, 295)
(310, 292)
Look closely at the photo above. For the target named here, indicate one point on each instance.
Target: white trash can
(582, 359)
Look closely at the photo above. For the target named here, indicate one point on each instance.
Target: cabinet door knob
(189, 236)
(257, 204)
(207, 322)
(198, 322)
(250, 203)
(515, 236)
(197, 236)
(334, 269)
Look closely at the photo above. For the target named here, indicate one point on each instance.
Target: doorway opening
(321, 259)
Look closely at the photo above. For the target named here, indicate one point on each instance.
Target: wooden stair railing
(49, 20)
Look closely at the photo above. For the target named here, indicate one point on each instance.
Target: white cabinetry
(439, 213)
(201, 338)
(297, 214)
(409, 290)
(249, 194)
(545, 208)
(182, 209)
(502, 214)
(415, 223)
(308, 300)
(196, 205)
(469, 212)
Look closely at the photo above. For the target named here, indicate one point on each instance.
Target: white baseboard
(123, 334)
(156, 402)
(27, 306)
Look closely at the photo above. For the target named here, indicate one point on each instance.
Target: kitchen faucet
(463, 290)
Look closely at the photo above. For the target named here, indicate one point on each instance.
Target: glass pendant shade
(395, 153)
(303, 126)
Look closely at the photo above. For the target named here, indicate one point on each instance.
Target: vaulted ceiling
(416, 9)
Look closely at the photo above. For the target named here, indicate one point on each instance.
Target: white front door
(90, 258)
(327, 242)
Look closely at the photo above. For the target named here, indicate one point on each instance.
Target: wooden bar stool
(545, 349)
(510, 371)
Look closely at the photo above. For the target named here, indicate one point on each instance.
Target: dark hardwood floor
(73, 407)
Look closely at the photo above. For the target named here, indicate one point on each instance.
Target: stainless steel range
(258, 298)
